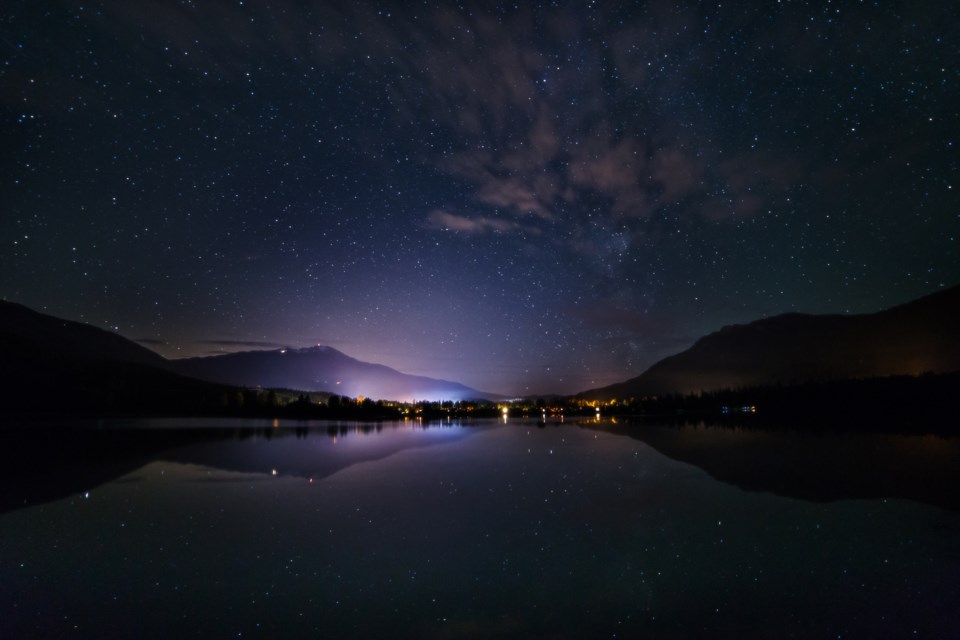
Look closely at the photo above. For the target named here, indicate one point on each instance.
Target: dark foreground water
(487, 530)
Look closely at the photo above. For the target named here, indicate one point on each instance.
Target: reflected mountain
(39, 465)
(47, 464)
(813, 466)
(42, 465)
(314, 453)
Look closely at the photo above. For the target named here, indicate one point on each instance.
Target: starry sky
(523, 197)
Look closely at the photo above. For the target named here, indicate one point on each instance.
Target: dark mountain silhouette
(918, 337)
(83, 366)
(54, 367)
(50, 366)
(29, 330)
(321, 369)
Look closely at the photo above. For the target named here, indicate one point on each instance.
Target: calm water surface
(481, 530)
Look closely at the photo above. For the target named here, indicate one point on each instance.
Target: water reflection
(38, 465)
(818, 466)
(54, 461)
(486, 531)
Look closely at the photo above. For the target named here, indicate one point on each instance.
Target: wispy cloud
(240, 343)
(540, 141)
(445, 221)
(540, 131)
(747, 183)
(153, 342)
(676, 173)
(614, 170)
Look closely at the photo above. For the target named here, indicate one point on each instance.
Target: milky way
(524, 198)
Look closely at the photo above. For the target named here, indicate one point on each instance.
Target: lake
(219, 528)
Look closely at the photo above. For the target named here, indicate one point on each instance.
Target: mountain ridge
(38, 342)
(911, 338)
(322, 368)
(907, 339)
(70, 338)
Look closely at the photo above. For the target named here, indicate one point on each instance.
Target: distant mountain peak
(317, 348)
(321, 368)
(314, 368)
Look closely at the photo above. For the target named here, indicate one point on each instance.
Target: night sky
(523, 198)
